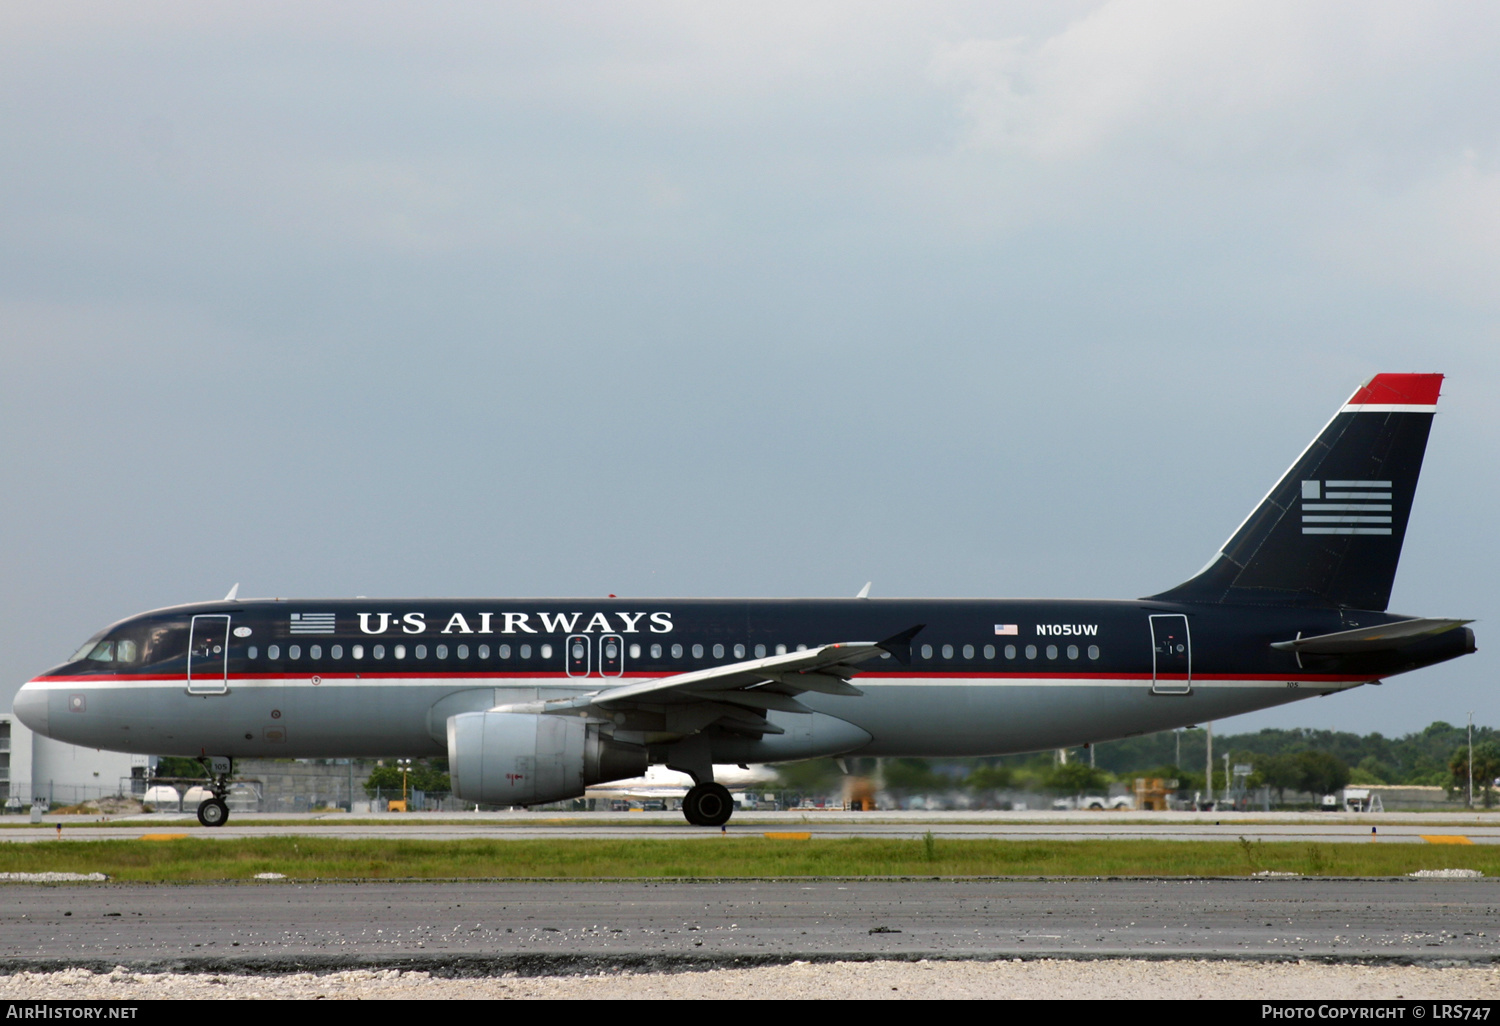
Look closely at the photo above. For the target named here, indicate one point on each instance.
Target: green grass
(195, 859)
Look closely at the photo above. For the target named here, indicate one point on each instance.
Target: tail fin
(1330, 532)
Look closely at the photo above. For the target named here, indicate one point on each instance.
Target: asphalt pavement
(484, 928)
(1331, 828)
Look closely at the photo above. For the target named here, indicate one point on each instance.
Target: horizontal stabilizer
(1370, 639)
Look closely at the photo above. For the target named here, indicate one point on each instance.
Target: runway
(1333, 828)
(488, 928)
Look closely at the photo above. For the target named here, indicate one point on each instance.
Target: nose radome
(31, 707)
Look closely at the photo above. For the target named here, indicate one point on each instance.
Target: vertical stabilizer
(1330, 532)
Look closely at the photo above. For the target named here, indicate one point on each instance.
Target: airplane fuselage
(380, 678)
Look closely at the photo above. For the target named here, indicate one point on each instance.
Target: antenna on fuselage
(233, 592)
(865, 591)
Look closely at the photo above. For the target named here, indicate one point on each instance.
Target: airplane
(534, 700)
(662, 784)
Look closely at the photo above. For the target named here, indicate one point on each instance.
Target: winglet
(233, 592)
(899, 645)
(865, 591)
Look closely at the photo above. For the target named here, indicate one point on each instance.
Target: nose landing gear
(214, 812)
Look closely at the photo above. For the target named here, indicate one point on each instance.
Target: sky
(683, 299)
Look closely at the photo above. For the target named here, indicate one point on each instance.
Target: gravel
(1091, 980)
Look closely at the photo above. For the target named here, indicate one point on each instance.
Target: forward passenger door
(208, 655)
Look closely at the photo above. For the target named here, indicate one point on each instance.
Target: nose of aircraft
(31, 707)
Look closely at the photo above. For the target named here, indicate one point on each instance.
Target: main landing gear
(708, 805)
(214, 812)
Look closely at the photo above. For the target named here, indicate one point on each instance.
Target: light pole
(1471, 758)
(405, 765)
(1210, 762)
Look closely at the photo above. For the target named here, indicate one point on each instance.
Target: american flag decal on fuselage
(312, 623)
(1346, 507)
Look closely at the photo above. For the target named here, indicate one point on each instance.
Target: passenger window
(697, 651)
(399, 651)
(294, 651)
(1030, 651)
(947, 651)
(337, 651)
(377, 652)
(525, 651)
(655, 651)
(355, 651)
(801, 648)
(420, 651)
(315, 651)
(760, 651)
(989, 651)
(273, 651)
(739, 651)
(250, 652)
(676, 651)
(442, 651)
(1093, 651)
(968, 651)
(504, 651)
(718, 651)
(781, 650)
(484, 651)
(463, 651)
(546, 651)
(635, 651)
(926, 651)
(1072, 651)
(1051, 651)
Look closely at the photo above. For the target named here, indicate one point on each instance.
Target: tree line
(1300, 760)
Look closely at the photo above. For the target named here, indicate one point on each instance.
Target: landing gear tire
(708, 805)
(213, 812)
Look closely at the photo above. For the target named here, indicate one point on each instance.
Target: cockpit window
(85, 648)
(164, 641)
(135, 645)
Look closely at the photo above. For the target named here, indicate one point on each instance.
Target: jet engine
(504, 758)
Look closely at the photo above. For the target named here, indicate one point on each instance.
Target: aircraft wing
(740, 694)
(1370, 639)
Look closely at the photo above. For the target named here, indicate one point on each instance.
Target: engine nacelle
(502, 758)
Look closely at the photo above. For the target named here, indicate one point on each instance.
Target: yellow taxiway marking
(1445, 839)
(164, 837)
(789, 837)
